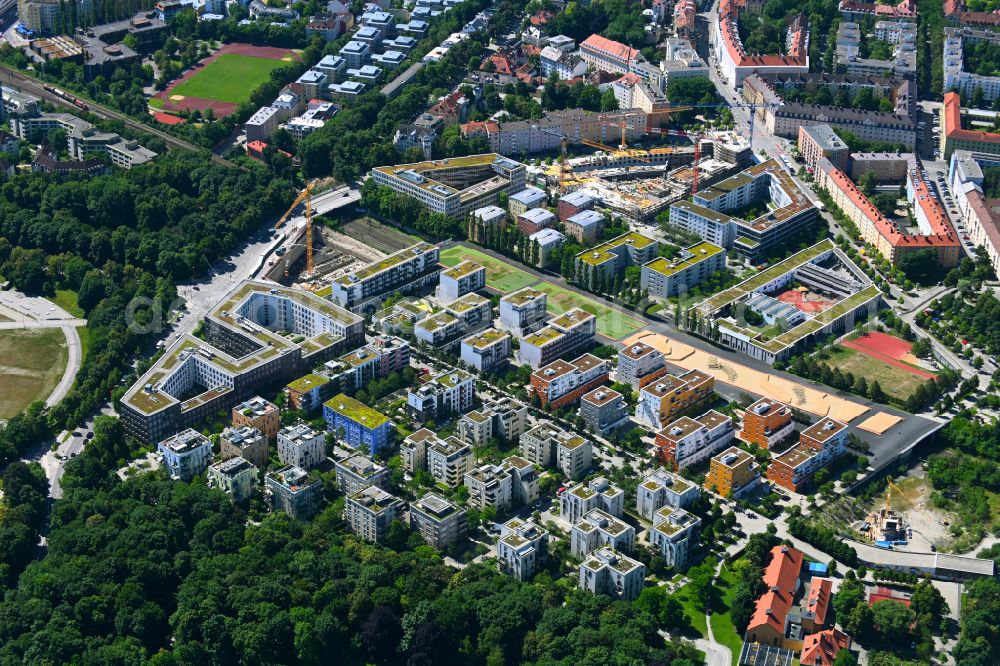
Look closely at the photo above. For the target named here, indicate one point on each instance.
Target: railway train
(72, 99)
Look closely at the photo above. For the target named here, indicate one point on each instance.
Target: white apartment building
(369, 511)
(236, 477)
(524, 480)
(574, 456)
(413, 449)
(547, 445)
(506, 420)
(357, 472)
(523, 311)
(675, 535)
(186, 454)
(438, 521)
(580, 499)
(598, 530)
(687, 442)
(487, 350)
(564, 334)
(402, 271)
(451, 392)
(522, 201)
(489, 485)
(355, 54)
(462, 278)
(448, 461)
(301, 446)
(609, 572)
(662, 488)
(261, 125)
(640, 364)
(520, 548)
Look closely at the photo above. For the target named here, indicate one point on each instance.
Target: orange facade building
(766, 422)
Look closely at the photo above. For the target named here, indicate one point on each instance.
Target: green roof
(488, 337)
(355, 411)
(544, 336)
(523, 296)
(698, 253)
(384, 264)
(601, 253)
(463, 268)
(810, 326)
(308, 383)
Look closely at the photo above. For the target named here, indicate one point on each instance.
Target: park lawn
(695, 616)
(611, 323)
(722, 623)
(896, 382)
(155, 102)
(231, 77)
(66, 299)
(500, 276)
(32, 362)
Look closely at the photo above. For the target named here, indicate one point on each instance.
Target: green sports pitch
(499, 275)
(231, 77)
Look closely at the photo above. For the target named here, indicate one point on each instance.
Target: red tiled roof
(541, 17)
(630, 79)
(821, 648)
(818, 599)
(978, 18)
(783, 569)
(615, 49)
(469, 129)
(953, 123)
(728, 13)
(780, 577)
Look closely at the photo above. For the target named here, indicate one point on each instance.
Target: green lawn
(610, 322)
(896, 382)
(501, 276)
(31, 364)
(155, 102)
(694, 614)
(229, 78)
(66, 299)
(722, 624)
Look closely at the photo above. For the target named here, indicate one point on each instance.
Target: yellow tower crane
(304, 195)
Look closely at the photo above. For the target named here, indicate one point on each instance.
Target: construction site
(639, 184)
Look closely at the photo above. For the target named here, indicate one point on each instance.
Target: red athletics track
(888, 349)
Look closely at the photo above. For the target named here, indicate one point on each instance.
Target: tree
(845, 658)
(875, 392)
(892, 620)
(928, 605)
(381, 634)
(608, 100)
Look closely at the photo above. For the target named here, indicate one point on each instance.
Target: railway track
(34, 87)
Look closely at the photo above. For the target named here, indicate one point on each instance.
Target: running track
(868, 351)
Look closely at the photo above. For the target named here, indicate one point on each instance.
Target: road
(34, 87)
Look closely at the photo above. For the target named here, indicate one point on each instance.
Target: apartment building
(596, 529)
(309, 392)
(582, 498)
(675, 535)
(451, 392)
(574, 203)
(469, 313)
(487, 350)
(819, 445)
(357, 425)
(244, 442)
(506, 420)
(603, 410)
(357, 472)
(524, 200)
(569, 331)
(413, 449)
(574, 456)
(766, 422)
(39, 16)
(534, 220)
(561, 383)
(407, 271)
(640, 364)
(83, 140)
(523, 311)
(369, 511)
(567, 64)
(242, 350)
(613, 257)
(186, 454)
(301, 446)
(608, 572)
(490, 486)
(524, 480)
(549, 446)
(258, 413)
(448, 461)
(545, 134)
(980, 214)
(521, 548)
(661, 400)
(608, 55)
(781, 578)
(585, 226)
(438, 521)
(955, 137)
(817, 141)
(687, 441)
(664, 489)
(547, 241)
(455, 186)
(485, 218)
(295, 491)
(665, 278)
(463, 278)
(732, 473)
(234, 476)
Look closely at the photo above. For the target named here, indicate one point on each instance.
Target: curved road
(33, 86)
(72, 366)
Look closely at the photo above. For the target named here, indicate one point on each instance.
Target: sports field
(31, 364)
(610, 322)
(231, 77)
(897, 382)
(501, 276)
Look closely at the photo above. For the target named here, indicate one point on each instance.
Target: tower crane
(304, 195)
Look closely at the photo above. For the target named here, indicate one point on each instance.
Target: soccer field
(500, 276)
(611, 323)
(896, 382)
(231, 77)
